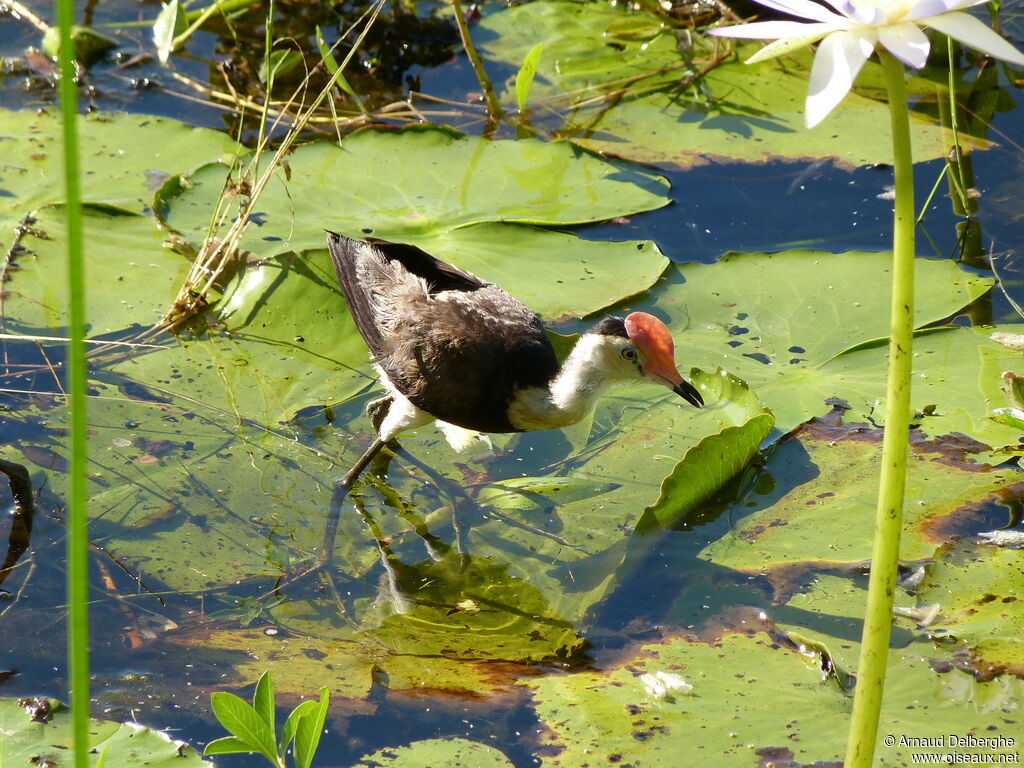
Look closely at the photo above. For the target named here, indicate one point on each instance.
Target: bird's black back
(457, 346)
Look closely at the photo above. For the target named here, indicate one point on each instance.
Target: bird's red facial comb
(653, 339)
(651, 336)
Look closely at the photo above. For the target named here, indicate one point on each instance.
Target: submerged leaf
(89, 45)
(617, 86)
(531, 492)
(527, 72)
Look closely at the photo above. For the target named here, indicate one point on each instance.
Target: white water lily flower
(852, 34)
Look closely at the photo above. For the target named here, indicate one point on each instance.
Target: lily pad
(132, 277)
(451, 753)
(557, 275)
(836, 471)
(416, 184)
(809, 306)
(290, 344)
(717, 458)
(450, 605)
(752, 700)
(38, 732)
(978, 592)
(124, 160)
(734, 111)
(809, 332)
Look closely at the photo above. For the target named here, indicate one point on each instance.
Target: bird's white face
(652, 351)
(622, 359)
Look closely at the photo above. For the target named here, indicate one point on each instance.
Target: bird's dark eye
(629, 353)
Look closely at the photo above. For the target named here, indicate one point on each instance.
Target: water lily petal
(837, 62)
(789, 44)
(906, 42)
(806, 9)
(924, 8)
(770, 30)
(970, 31)
(862, 13)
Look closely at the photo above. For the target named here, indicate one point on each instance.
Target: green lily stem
(874, 652)
(78, 490)
(494, 111)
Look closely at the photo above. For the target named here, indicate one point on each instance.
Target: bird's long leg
(341, 487)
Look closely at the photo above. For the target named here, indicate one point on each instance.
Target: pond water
(192, 590)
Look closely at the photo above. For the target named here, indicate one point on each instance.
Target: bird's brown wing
(376, 274)
(457, 346)
(463, 356)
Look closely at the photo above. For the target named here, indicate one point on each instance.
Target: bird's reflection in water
(428, 595)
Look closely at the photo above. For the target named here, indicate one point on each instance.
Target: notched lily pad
(124, 158)
(37, 731)
(421, 183)
(807, 335)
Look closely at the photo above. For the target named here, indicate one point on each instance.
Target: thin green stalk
(874, 652)
(196, 19)
(956, 159)
(268, 45)
(77, 509)
(494, 111)
(931, 195)
(224, 6)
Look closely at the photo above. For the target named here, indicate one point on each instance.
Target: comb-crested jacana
(456, 349)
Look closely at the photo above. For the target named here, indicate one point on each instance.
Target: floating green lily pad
(753, 700)
(432, 753)
(133, 277)
(290, 344)
(838, 467)
(124, 160)
(38, 732)
(416, 184)
(978, 590)
(715, 459)
(809, 333)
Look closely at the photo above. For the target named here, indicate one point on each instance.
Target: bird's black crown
(611, 326)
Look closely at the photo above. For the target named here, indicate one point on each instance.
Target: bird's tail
(346, 254)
